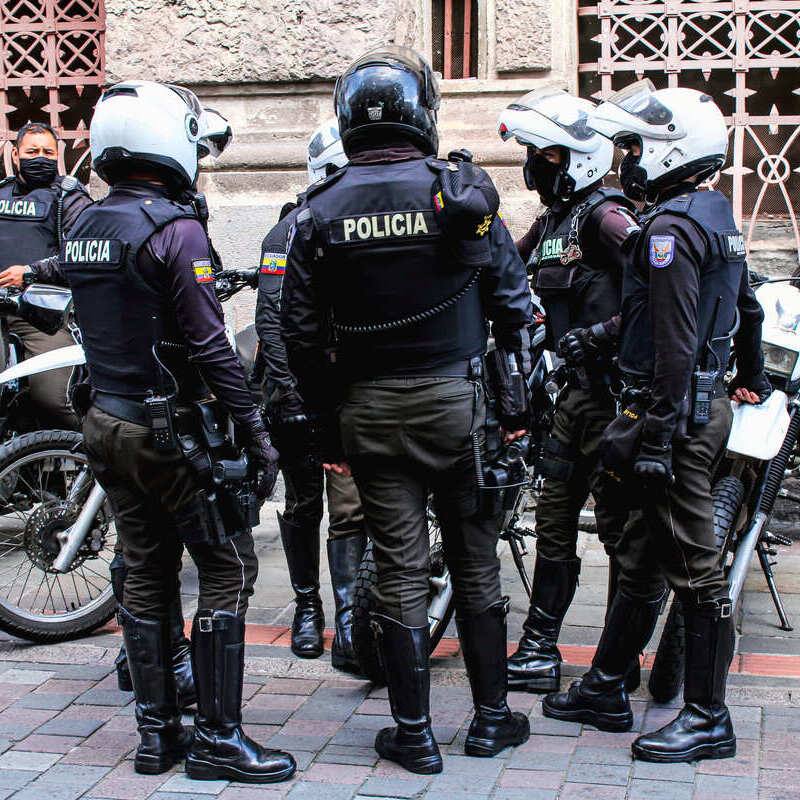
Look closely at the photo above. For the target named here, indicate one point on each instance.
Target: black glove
(291, 408)
(653, 464)
(580, 345)
(264, 458)
(576, 346)
(758, 383)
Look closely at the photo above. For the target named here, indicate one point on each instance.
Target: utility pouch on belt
(620, 443)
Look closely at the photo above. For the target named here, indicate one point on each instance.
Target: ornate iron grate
(745, 53)
(53, 68)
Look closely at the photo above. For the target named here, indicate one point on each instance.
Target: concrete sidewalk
(67, 732)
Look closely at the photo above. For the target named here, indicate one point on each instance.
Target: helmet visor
(215, 133)
(397, 56)
(557, 106)
(188, 97)
(639, 101)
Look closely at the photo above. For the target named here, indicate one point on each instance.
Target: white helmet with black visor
(680, 133)
(550, 117)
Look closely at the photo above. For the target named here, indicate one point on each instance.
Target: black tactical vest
(578, 287)
(121, 317)
(28, 225)
(384, 258)
(720, 276)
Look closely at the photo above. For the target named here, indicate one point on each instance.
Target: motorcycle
(57, 533)
(762, 450)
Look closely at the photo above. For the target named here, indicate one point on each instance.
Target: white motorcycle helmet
(215, 134)
(325, 151)
(146, 125)
(681, 132)
(551, 117)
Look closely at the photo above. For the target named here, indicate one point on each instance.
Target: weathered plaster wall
(234, 41)
(524, 37)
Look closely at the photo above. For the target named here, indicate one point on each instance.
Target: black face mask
(548, 179)
(38, 172)
(633, 177)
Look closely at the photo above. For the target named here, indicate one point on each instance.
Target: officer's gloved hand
(577, 346)
(653, 465)
(741, 387)
(580, 345)
(292, 410)
(265, 458)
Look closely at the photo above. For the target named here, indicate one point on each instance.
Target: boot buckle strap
(205, 624)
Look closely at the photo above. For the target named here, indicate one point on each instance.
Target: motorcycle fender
(55, 359)
(758, 431)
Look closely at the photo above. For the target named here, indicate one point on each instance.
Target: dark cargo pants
(673, 533)
(148, 490)
(406, 438)
(578, 425)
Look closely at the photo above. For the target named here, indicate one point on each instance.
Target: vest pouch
(554, 279)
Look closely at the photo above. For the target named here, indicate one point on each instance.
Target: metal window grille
(53, 68)
(455, 38)
(745, 53)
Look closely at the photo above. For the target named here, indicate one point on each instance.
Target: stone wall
(240, 41)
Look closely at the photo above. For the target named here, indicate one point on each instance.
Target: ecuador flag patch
(273, 263)
(202, 271)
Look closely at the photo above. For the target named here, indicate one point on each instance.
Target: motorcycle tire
(666, 676)
(364, 640)
(80, 620)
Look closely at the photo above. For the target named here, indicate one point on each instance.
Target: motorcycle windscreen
(47, 308)
(759, 431)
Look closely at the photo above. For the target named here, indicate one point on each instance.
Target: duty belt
(638, 388)
(122, 407)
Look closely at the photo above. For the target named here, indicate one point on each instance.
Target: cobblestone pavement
(66, 731)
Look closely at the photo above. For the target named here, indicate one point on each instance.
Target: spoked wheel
(44, 481)
(440, 603)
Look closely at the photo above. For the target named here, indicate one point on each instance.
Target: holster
(200, 522)
(509, 390)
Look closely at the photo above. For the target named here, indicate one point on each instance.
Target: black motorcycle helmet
(388, 90)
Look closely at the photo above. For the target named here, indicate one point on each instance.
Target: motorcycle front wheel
(44, 480)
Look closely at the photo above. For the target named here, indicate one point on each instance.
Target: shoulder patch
(273, 263)
(203, 273)
(662, 250)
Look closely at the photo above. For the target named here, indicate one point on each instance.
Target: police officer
(293, 434)
(37, 207)
(405, 254)
(681, 291)
(139, 265)
(575, 251)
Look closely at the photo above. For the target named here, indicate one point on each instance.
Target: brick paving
(66, 732)
(85, 749)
